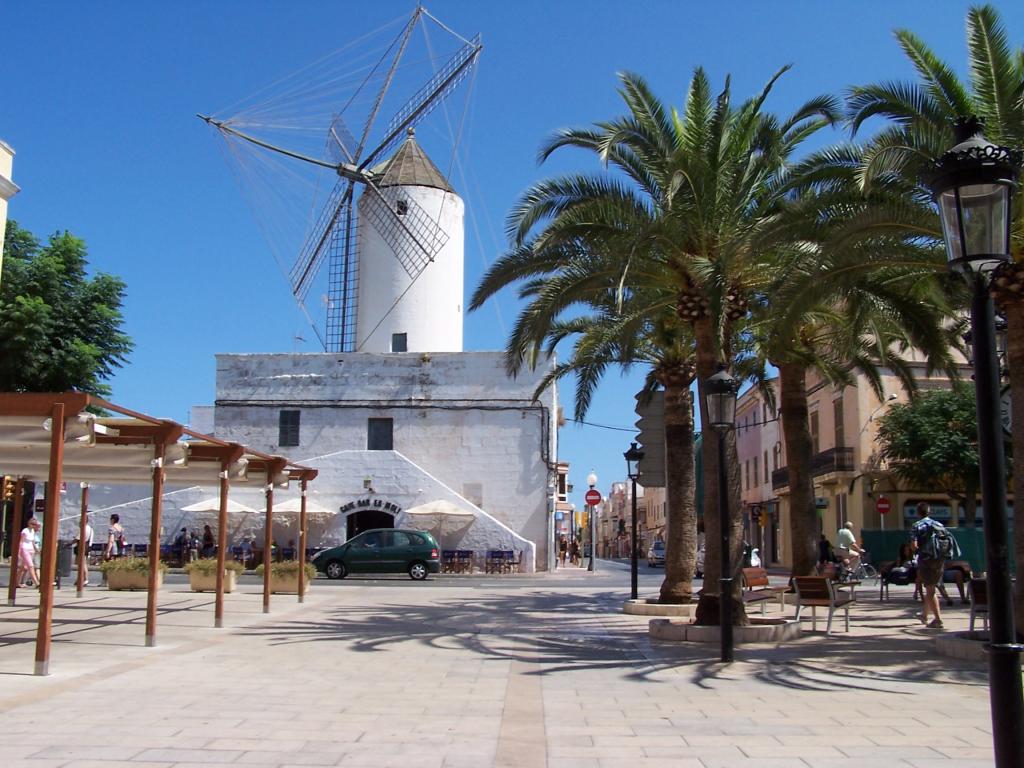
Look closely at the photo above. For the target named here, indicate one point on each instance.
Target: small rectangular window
(766, 478)
(288, 428)
(380, 435)
(757, 471)
(814, 433)
(399, 342)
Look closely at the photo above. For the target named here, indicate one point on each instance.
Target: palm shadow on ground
(563, 632)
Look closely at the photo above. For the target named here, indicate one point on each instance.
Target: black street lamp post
(633, 458)
(720, 391)
(973, 186)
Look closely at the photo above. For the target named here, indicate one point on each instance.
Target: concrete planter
(287, 585)
(120, 580)
(654, 608)
(758, 631)
(207, 582)
(963, 645)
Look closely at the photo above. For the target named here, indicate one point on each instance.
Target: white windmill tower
(391, 231)
(401, 309)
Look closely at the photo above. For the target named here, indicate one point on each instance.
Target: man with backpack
(934, 546)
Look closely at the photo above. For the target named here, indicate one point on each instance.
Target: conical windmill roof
(410, 167)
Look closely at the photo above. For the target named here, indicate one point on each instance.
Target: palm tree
(922, 114)
(840, 296)
(687, 212)
(650, 335)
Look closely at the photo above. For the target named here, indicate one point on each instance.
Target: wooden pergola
(58, 437)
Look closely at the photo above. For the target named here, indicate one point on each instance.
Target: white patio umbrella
(294, 505)
(442, 516)
(213, 505)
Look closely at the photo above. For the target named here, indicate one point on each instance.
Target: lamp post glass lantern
(592, 524)
(973, 185)
(720, 393)
(633, 458)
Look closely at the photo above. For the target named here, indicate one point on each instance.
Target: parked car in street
(382, 550)
(656, 554)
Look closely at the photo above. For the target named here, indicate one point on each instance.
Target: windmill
(412, 234)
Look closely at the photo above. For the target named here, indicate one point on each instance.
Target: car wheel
(418, 571)
(336, 570)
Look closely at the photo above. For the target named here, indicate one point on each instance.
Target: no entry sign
(883, 506)
(593, 497)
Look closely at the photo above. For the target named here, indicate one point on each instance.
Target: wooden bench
(758, 589)
(821, 591)
(979, 602)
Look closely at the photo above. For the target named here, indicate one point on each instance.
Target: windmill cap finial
(410, 131)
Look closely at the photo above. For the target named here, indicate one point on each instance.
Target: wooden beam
(222, 544)
(83, 546)
(302, 541)
(41, 404)
(154, 543)
(49, 566)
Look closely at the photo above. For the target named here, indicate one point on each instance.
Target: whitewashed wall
(457, 416)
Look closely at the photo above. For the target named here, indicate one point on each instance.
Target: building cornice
(8, 188)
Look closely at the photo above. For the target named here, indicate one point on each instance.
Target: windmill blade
(343, 293)
(341, 144)
(427, 98)
(409, 231)
(315, 248)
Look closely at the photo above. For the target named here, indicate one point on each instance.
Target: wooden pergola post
(154, 542)
(82, 545)
(267, 543)
(19, 495)
(302, 541)
(50, 523)
(222, 545)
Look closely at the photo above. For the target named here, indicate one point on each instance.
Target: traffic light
(8, 488)
(650, 407)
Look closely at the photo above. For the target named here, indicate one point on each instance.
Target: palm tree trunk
(707, 606)
(803, 517)
(681, 520)
(1014, 313)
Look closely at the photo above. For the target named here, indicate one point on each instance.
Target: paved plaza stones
(520, 671)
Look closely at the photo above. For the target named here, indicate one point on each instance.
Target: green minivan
(382, 550)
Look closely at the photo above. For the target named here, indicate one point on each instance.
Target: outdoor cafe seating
(457, 561)
(501, 561)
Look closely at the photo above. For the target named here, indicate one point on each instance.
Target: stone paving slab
(531, 672)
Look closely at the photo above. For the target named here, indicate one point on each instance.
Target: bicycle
(862, 572)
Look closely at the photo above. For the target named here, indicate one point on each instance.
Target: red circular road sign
(593, 497)
(883, 506)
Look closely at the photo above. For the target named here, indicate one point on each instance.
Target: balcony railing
(826, 462)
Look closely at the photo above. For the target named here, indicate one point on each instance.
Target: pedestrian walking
(933, 545)
(563, 550)
(575, 554)
(83, 576)
(115, 539)
(28, 545)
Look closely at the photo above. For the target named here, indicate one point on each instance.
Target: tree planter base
(207, 582)
(120, 580)
(287, 585)
(758, 631)
(654, 608)
(967, 646)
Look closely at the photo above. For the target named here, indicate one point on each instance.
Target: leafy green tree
(921, 116)
(59, 329)
(931, 443)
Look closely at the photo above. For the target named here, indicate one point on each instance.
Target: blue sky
(100, 98)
